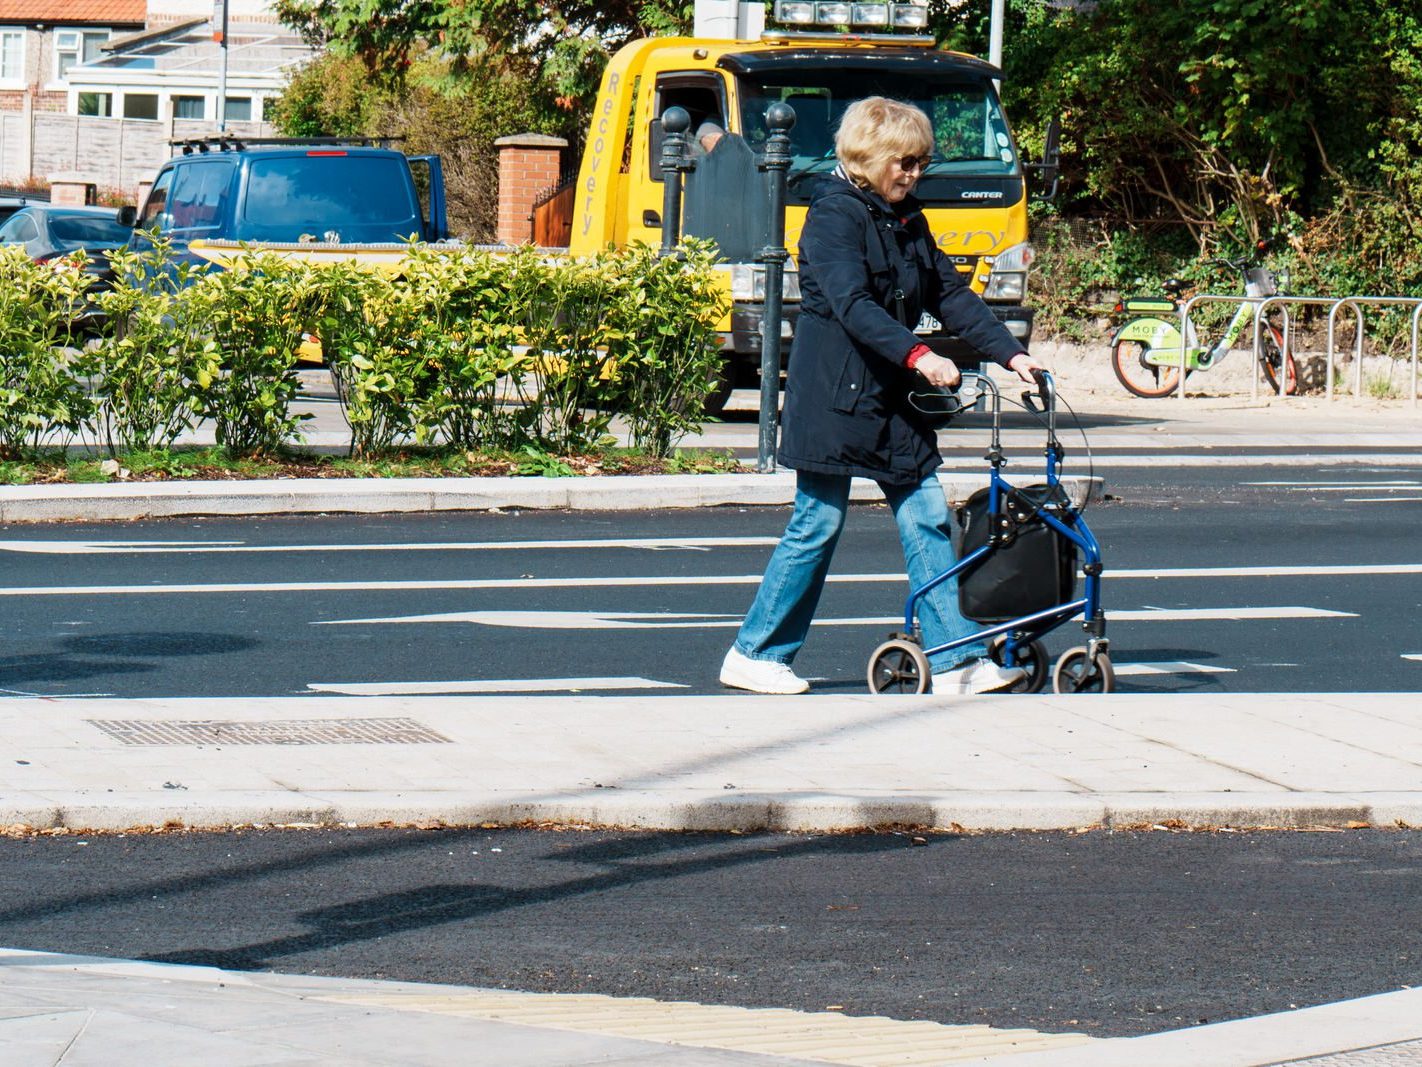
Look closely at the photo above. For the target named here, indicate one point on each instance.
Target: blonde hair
(876, 130)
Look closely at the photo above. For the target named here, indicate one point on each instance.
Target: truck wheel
(716, 400)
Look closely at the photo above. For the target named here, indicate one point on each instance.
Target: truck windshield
(363, 198)
(970, 134)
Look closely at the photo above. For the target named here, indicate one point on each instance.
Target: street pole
(780, 117)
(675, 163)
(995, 35)
(219, 34)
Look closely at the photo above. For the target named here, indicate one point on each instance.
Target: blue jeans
(779, 620)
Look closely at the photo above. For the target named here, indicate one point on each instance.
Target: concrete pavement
(723, 762)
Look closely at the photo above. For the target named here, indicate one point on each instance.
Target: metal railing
(1335, 305)
(1356, 302)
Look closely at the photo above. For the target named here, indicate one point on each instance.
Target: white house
(41, 41)
(173, 69)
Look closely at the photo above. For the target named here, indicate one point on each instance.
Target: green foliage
(471, 344)
(567, 42)
(429, 110)
(457, 346)
(1234, 118)
(663, 341)
(256, 312)
(370, 332)
(41, 372)
(147, 360)
(566, 313)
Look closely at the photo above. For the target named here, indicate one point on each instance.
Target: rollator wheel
(898, 666)
(1075, 673)
(1032, 658)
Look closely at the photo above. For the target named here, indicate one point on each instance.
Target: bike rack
(1187, 327)
(1386, 301)
(1283, 301)
(1335, 305)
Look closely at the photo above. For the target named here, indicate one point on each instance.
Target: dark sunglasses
(912, 163)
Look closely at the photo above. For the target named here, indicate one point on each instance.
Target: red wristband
(916, 353)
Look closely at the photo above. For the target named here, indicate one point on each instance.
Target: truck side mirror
(1049, 170)
(127, 216)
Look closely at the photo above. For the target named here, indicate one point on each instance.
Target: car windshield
(971, 137)
(88, 231)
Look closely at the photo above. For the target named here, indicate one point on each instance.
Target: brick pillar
(72, 190)
(529, 164)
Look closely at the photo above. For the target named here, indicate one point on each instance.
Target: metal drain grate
(282, 732)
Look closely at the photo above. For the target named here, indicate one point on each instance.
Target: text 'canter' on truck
(320, 200)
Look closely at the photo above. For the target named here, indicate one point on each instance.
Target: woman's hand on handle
(938, 370)
(1024, 366)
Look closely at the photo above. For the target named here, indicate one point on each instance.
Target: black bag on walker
(1034, 569)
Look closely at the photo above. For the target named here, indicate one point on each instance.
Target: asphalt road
(1103, 933)
(1109, 934)
(1323, 591)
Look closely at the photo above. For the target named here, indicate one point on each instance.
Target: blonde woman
(868, 268)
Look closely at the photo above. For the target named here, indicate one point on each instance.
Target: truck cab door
(428, 173)
(703, 95)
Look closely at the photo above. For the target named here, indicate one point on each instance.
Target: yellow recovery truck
(975, 190)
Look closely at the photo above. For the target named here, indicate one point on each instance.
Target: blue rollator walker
(1016, 570)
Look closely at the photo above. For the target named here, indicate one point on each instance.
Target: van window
(199, 194)
(320, 192)
(157, 204)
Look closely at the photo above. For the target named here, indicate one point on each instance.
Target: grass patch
(59, 466)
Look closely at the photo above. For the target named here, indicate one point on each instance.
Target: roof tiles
(87, 12)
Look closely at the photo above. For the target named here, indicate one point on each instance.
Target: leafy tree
(566, 43)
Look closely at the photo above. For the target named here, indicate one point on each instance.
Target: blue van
(292, 191)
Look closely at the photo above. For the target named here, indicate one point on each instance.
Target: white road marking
(1413, 656)
(1170, 667)
(637, 620)
(89, 548)
(488, 685)
(653, 581)
(1336, 486)
(1268, 571)
(1379, 499)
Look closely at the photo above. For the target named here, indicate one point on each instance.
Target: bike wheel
(1142, 378)
(1273, 357)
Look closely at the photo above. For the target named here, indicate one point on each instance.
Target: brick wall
(529, 165)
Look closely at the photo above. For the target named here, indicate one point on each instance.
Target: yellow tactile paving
(825, 1036)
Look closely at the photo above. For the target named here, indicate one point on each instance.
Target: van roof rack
(232, 143)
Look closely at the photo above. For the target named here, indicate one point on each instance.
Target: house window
(140, 105)
(189, 107)
(72, 47)
(99, 104)
(238, 109)
(12, 55)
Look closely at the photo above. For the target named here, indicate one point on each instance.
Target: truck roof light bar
(791, 36)
(908, 15)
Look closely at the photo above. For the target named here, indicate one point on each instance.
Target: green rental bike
(1145, 351)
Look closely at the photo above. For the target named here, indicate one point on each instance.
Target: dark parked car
(50, 234)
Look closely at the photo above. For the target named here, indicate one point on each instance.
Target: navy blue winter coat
(846, 393)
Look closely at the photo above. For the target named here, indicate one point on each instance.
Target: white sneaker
(739, 671)
(980, 676)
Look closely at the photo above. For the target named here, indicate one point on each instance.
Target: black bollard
(780, 117)
(675, 163)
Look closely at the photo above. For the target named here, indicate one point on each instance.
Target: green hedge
(457, 346)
